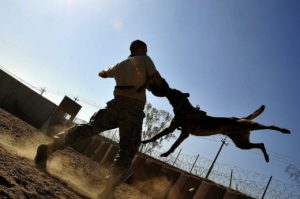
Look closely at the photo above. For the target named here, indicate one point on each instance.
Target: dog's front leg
(166, 131)
(182, 137)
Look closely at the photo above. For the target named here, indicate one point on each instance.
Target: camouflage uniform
(124, 111)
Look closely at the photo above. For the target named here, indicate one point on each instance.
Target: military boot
(41, 157)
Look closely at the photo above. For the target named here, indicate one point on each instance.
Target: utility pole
(263, 196)
(76, 99)
(213, 163)
(42, 91)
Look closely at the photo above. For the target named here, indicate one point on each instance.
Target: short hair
(137, 44)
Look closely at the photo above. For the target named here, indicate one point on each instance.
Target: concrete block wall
(230, 194)
(82, 145)
(159, 179)
(33, 108)
(209, 190)
(91, 147)
(100, 151)
(23, 102)
(110, 155)
(151, 177)
(184, 187)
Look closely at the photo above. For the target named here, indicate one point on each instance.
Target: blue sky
(231, 56)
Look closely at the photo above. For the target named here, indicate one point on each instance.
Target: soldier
(125, 111)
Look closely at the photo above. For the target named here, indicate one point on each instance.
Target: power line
(18, 78)
(285, 156)
(58, 93)
(77, 97)
(276, 156)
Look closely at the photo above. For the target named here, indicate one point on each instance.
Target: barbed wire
(245, 181)
(248, 182)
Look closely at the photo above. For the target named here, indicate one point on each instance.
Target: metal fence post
(194, 163)
(213, 163)
(266, 188)
(176, 157)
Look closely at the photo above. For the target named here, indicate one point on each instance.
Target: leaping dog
(191, 120)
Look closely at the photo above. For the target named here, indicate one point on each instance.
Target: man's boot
(44, 151)
(41, 157)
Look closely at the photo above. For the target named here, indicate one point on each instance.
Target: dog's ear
(186, 95)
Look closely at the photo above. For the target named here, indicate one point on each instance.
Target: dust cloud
(156, 187)
(70, 170)
(23, 147)
(81, 174)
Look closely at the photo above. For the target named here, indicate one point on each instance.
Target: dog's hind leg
(166, 131)
(241, 140)
(282, 130)
(257, 126)
(260, 146)
(252, 126)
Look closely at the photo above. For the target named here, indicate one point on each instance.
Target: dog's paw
(286, 131)
(144, 141)
(164, 154)
(267, 158)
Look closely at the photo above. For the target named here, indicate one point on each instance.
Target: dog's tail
(255, 113)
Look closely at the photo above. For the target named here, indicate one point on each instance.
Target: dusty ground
(72, 174)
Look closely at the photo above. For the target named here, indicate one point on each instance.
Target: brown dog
(191, 120)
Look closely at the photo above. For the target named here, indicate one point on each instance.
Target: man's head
(138, 48)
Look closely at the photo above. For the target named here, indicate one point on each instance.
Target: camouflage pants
(123, 112)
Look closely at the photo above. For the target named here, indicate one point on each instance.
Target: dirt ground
(72, 174)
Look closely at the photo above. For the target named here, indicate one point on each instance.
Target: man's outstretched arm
(103, 74)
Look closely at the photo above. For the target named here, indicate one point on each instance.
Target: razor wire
(248, 182)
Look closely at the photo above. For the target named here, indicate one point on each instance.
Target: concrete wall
(156, 178)
(23, 102)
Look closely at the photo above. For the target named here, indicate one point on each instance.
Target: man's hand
(103, 74)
